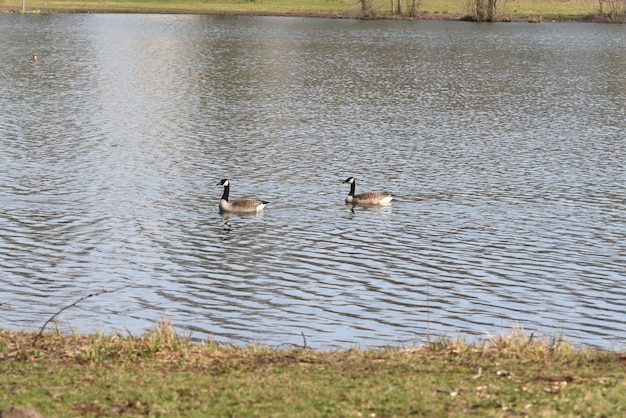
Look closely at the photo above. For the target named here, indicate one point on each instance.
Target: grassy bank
(533, 10)
(162, 374)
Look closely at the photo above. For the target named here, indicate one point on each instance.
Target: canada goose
(366, 198)
(239, 205)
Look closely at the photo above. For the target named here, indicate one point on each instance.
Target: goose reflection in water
(226, 216)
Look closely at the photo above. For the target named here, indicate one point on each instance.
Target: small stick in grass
(53, 317)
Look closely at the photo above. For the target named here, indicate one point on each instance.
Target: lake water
(505, 145)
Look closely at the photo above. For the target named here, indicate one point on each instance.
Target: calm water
(504, 143)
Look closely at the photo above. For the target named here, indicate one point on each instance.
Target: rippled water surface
(504, 144)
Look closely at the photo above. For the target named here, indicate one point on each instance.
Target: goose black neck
(225, 194)
(352, 187)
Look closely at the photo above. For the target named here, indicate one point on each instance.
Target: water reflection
(503, 143)
(240, 215)
(382, 209)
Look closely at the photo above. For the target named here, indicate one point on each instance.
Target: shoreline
(160, 373)
(423, 15)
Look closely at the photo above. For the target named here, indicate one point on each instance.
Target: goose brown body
(366, 198)
(238, 205)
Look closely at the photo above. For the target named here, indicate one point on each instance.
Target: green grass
(429, 9)
(550, 10)
(162, 374)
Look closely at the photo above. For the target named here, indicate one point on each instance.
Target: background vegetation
(501, 10)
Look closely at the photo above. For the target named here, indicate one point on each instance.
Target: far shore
(426, 15)
(454, 10)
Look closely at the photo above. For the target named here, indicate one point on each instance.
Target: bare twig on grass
(53, 317)
(304, 345)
